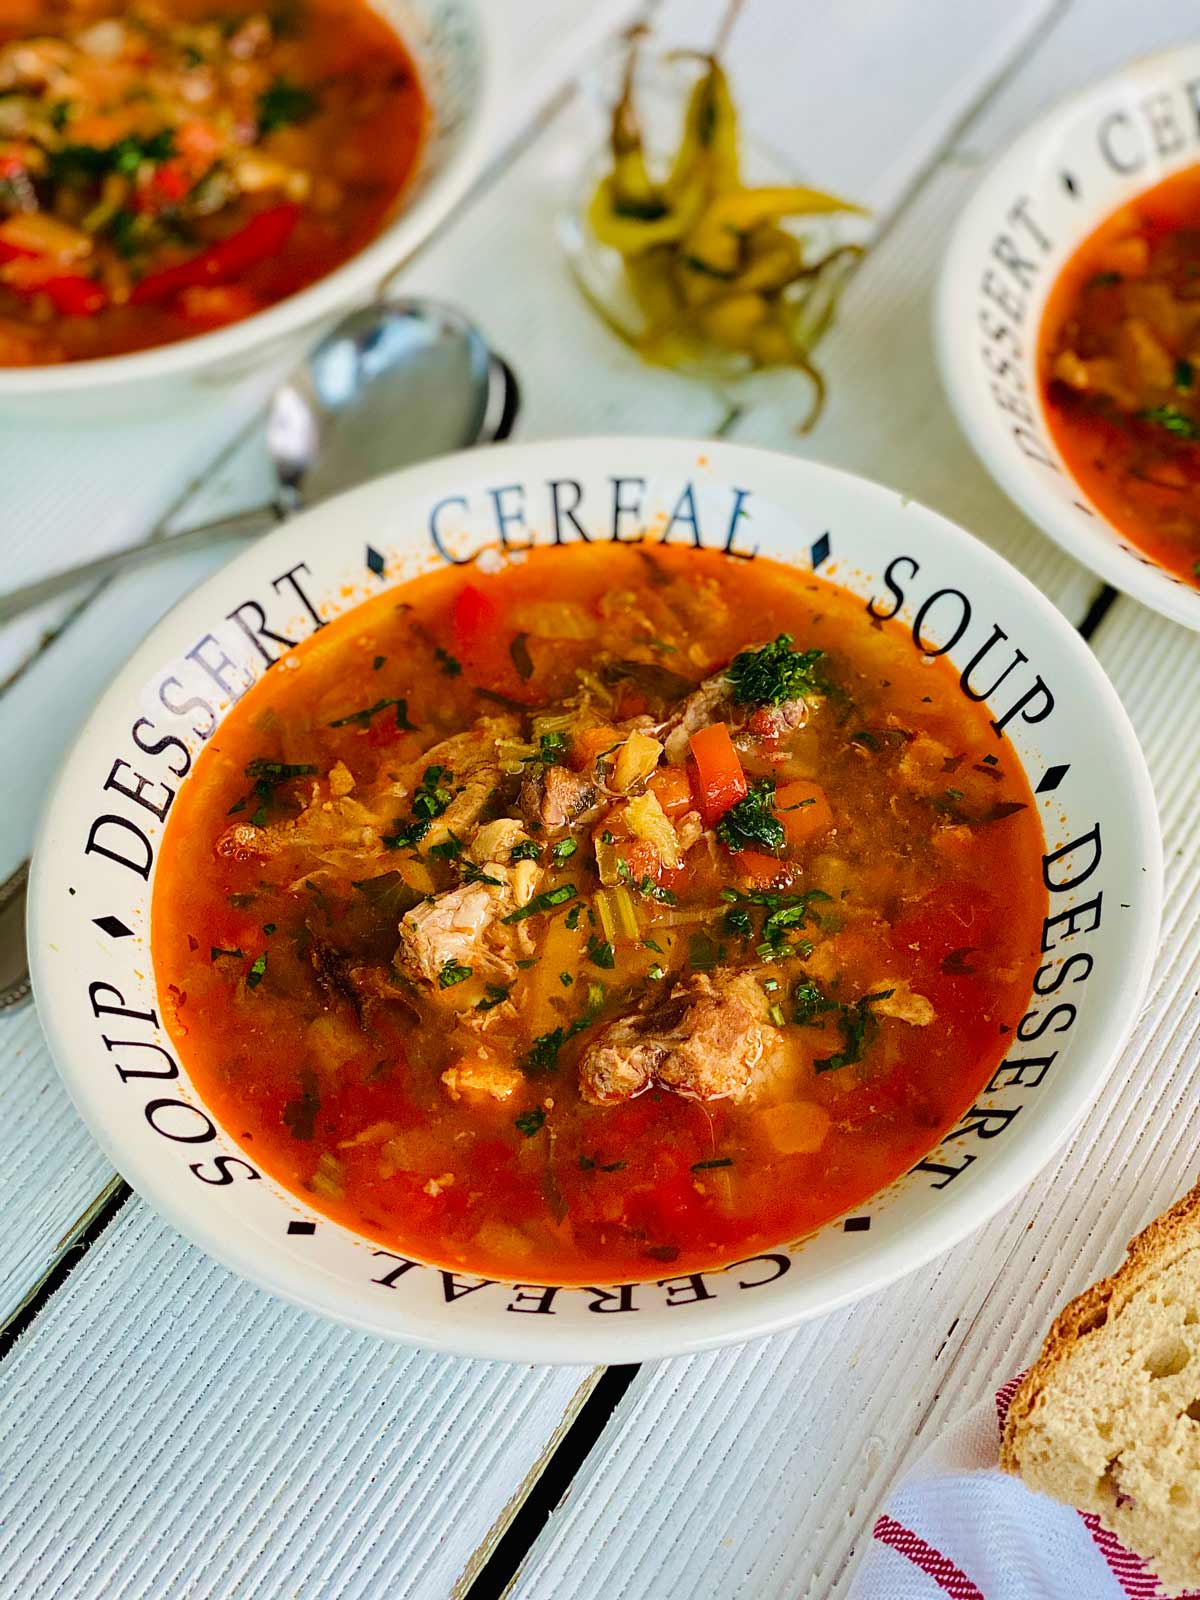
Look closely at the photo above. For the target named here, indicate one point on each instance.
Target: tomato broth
(1119, 359)
(619, 912)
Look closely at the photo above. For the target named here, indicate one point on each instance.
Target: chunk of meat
(453, 927)
(555, 797)
(776, 722)
(471, 758)
(923, 766)
(904, 1004)
(495, 841)
(700, 708)
(482, 1076)
(702, 1041)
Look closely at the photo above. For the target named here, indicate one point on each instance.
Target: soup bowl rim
(658, 1333)
(1093, 540)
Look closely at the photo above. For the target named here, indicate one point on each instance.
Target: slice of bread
(1108, 1418)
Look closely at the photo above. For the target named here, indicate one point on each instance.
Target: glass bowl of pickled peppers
(695, 267)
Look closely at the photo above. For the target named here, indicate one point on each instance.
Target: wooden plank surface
(757, 1472)
(168, 1431)
(754, 1468)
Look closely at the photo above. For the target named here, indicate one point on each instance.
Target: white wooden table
(301, 1460)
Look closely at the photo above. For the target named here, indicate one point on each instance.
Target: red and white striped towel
(956, 1525)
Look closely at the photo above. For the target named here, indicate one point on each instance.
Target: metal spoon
(397, 382)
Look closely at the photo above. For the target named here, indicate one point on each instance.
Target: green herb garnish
(525, 850)
(453, 972)
(449, 665)
(257, 972)
(362, 719)
(546, 901)
(531, 1122)
(859, 1026)
(284, 103)
(601, 953)
(751, 824)
(432, 797)
(775, 673)
(494, 995)
(216, 953)
(1173, 421)
(563, 849)
(717, 1161)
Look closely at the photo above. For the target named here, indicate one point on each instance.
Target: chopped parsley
(81, 164)
(448, 850)
(656, 973)
(542, 1055)
(1173, 421)
(362, 719)
(494, 995)
(267, 776)
(565, 979)
(717, 1161)
(785, 913)
(552, 750)
(525, 850)
(284, 103)
(810, 1002)
(859, 1026)
(473, 874)
(377, 663)
(217, 952)
(531, 1122)
(268, 928)
(775, 673)
(518, 652)
(601, 953)
(587, 1164)
(448, 663)
(563, 849)
(646, 887)
(547, 901)
(572, 917)
(257, 972)
(453, 972)
(751, 824)
(1185, 375)
(432, 797)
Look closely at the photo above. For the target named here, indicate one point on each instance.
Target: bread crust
(1165, 1240)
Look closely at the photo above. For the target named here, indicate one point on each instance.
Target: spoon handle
(241, 525)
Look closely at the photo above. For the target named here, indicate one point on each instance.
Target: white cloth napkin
(956, 1525)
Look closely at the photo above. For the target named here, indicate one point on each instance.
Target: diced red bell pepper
(722, 781)
(481, 643)
(262, 237)
(73, 295)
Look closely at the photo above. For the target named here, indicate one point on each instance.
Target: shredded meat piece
(241, 842)
(452, 927)
(922, 767)
(471, 757)
(702, 1041)
(555, 797)
(495, 841)
(776, 722)
(482, 1076)
(904, 1004)
(699, 709)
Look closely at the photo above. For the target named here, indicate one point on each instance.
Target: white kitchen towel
(956, 1525)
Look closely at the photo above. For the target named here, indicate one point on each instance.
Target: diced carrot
(586, 746)
(674, 790)
(722, 781)
(763, 871)
(804, 810)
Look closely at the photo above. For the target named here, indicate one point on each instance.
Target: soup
(169, 168)
(615, 909)
(1120, 365)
